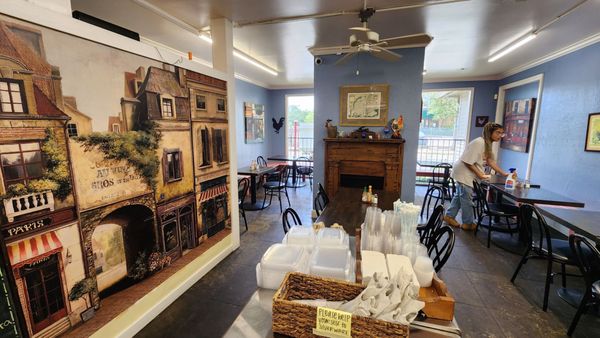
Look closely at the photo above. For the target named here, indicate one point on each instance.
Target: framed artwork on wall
(592, 136)
(480, 121)
(518, 119)
(254, 118)
(364, 105)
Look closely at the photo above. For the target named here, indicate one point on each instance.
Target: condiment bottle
(364, 195)
(374, 200)
(370, 194)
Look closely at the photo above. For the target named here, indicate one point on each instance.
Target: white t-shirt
(473, 154)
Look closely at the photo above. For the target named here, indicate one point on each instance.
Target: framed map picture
(364, 105)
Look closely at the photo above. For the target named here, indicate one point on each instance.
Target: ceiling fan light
(373, 36)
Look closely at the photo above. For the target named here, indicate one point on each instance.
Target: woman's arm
(476, 171)
(495, 166)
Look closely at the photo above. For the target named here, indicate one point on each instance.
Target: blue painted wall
(406, 83)
(483, 99)
(276, 109)
(247, 92)
(571, 91)
(513, 159)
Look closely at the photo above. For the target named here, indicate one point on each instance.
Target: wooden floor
(488, 305)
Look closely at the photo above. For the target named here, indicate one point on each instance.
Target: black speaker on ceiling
(106, 25)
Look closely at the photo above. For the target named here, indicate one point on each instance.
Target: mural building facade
(88, 213)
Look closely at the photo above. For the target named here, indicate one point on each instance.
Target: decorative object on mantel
(363, 132)
(592, 137)
(278, 125)
(397, 126)
(364, 105)
(331, 129)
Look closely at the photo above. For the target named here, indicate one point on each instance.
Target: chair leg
(580, 310)
(547, 286)
(564, 275)
(279, 198)
(264, 198)
(244, 216)
(288, 198)
(489, 232)
(521, 263)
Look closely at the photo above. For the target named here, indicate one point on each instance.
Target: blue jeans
(462, 200)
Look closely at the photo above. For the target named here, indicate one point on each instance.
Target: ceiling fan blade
(406, 41)
(344, 58)
(331, 50)
(385, 54)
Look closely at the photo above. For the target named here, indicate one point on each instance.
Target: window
(220, 104)
(169, 230)
(116, 128)
(21, 162)
(220, 145)
(72, 129)
(205, 145)
(167, 107)
(172, 165)
(11, 96)
(200, 102)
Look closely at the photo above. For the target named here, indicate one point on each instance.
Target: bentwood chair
(277, 187)
(541, 245)
(494, 210)
(324, 193)
(440, 246)
(588, 260)
(320, 202)
(243, 185)
(441, 178)
(305, 170)
(434, 193)
(268, 176)
(435, 222)
(288, 214)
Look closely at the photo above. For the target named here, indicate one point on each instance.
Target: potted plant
(80, 289)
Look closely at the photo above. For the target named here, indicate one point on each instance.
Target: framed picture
(518, 119)
(254, 118)
(364, 105)
(481, 121)
(592, 136)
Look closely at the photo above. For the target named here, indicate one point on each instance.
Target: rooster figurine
(278, 125)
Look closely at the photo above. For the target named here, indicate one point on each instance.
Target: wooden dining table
(254, 174)
(347, 209)
(533, 195)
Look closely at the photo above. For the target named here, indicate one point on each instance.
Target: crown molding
(462, 79)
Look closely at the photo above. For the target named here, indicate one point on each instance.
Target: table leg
(254, 205)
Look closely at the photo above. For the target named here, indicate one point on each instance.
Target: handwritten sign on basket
(333, 323)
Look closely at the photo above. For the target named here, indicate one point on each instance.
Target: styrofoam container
(299, 235)
(278, 260)
(372, 262)
(332, 238)
(331, 262)
(397, 262)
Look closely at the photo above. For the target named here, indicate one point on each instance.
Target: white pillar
(222, 55)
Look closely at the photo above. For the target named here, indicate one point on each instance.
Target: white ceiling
(464, 33)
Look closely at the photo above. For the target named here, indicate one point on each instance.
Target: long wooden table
(347, 209)
(582, 222)
(533, 195)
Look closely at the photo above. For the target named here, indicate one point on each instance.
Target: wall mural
(518, 119)
(99, 186)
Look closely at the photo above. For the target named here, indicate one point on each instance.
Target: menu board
(8, 316)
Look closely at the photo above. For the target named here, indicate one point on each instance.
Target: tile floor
(488, 305)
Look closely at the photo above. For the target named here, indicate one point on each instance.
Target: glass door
(299, 124)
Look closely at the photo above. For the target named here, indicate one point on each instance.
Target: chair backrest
(435, 222)
(320, 202)
(441, 246)
(243, 184)
(441, 173)
(284, 172)
(539, 240)
(324, 193)
(295, 219)
(588, 258)
(482, 204)
(303, 162)
(261, 161)
(435, 193)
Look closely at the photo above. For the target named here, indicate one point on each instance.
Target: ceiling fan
(364, 40)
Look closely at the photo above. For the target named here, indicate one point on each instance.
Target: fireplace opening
(361, 181)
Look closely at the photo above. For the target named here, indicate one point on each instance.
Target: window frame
(26, 179)
(74, 125)
(166, 166)
(224, 110)
(21, 85)
(161, 100)
(205, 102)
(205, 147)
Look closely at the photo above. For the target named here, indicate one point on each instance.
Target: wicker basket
(298, 320)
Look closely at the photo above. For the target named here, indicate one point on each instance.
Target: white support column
(222, 54)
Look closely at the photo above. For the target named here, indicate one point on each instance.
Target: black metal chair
(541, 245)
(440, 246)
(243, 185)
(305, 170)
(441, 178)
(494, 210)
(324, 193)
(277, 187)
(435, 193)
(320, 202)
(285, 218)
(427, 230)
(588, 260)
(268, 176)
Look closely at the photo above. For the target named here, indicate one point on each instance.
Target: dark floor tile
(497, 291)
(461, 287)
(519, 322)
(476, 321)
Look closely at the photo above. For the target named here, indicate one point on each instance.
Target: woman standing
(469, 168)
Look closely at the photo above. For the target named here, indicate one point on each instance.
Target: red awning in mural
(33, 249)
(213, 192)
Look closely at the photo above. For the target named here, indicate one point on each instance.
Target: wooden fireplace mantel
(380, 158)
